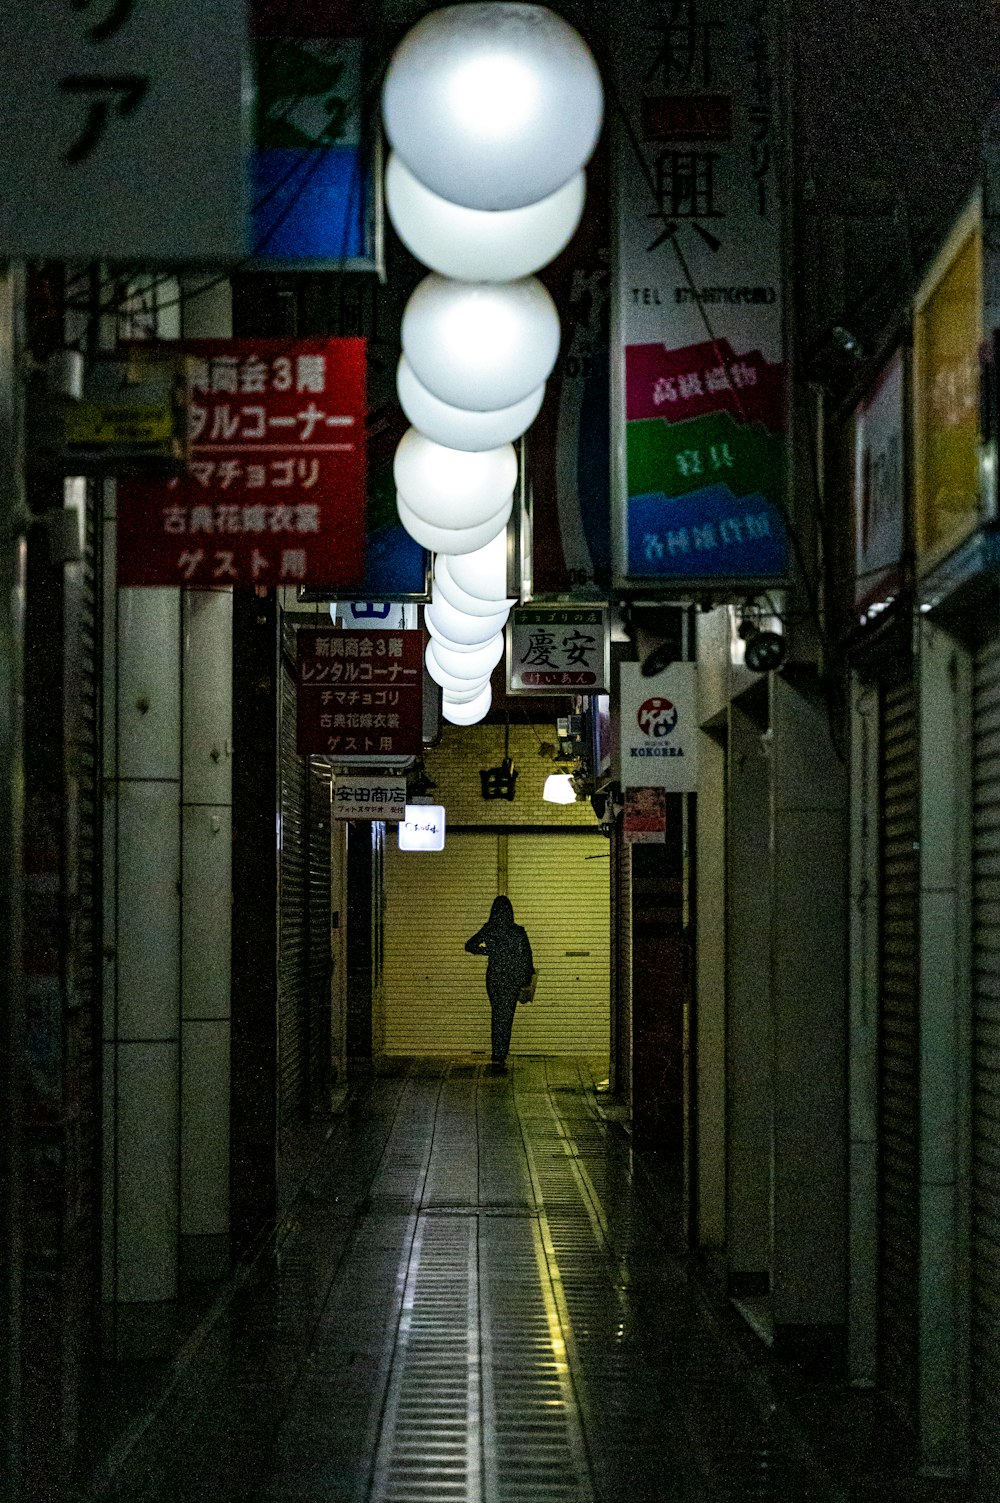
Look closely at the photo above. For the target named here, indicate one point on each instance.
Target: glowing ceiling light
(480, 345)
(471, 711)
(478, 245)
(559, 789)
(452, 540)
(451, 683)
(457, 628)
(470, 605)
(476, 664)
(452, 487)
(457, 427)
(483, 573)
(493, 106)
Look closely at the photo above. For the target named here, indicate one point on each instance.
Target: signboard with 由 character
(557, 650)
(274, 491)
(360, 694)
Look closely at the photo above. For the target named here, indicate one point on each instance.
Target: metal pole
(12, 584)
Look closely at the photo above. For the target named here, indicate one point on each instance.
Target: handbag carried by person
(527, 992)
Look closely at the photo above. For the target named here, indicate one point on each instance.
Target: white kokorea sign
(658, 733)
(124, 130)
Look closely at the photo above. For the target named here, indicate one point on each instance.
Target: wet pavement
(479, 1295)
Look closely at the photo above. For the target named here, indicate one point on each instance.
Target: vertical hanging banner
(275, 488)
(658, 728)
(879, 491)
(699, 383)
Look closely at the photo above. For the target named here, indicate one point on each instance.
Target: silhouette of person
(509, 970)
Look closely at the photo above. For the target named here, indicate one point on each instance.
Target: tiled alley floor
(474, 1300)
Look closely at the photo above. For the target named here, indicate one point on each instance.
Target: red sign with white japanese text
(360, 693)
(275, 487)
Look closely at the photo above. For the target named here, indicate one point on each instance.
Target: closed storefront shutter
(293, 968)
(898, 1146)
(436, 993)
(986, 1072)
(320, 958)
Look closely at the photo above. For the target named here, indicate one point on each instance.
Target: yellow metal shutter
(560, 888)
(435, 992)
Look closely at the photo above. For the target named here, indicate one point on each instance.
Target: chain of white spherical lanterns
(492, 112)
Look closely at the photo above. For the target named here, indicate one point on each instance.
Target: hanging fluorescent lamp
(559, 789)
(457, 427)
(480, 345)
(470, 605)
(475, 664)
(469, 713)
(479, 245)
(451, 540)
(456, 628)
(451, 487)
(493, 106)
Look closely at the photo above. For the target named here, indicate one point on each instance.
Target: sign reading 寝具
(699, 398)
(123, 131)
(658, 729)
(360, 694)
(557, 649)
(369, 798)
(275, 486)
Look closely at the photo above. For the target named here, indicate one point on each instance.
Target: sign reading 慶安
(658, 730)
(359, 694)
(557, 649)
(124, 130)
(369, 798)
(699, 374)
(275, 486)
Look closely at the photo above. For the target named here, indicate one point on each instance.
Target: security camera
(765, 650)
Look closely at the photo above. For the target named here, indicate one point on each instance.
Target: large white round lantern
(450, 683)
(470, 605)
(467, 713)
(477, 245)
(494, 105)
(480, 345)
(483, 573)
(452, 540)
(469, 665)
(457, 427)
(465, 696)
(452, 487)
(457, 628)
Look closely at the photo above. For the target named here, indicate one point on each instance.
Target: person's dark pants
(502, 1010)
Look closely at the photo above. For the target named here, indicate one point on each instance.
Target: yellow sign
(947, 330)
(121, 426)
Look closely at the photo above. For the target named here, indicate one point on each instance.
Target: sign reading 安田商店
(699, 375)
(275, 486)
(124, 131)
(557, 649)
(658, 728)
(369, 798)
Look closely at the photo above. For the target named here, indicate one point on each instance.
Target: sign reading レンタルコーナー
(275, 487)
(556, 649)
(699, 396)
(360, 694)
(658, 730)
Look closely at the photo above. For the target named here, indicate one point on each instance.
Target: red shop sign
(275, 488)
(360, 693)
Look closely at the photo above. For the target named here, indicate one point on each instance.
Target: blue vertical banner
(311, 183)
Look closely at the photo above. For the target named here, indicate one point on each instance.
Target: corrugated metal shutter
(293, 968)
(898, 1048)
(986, 1072)
(320, 955)
(560, 888)
(436, 993)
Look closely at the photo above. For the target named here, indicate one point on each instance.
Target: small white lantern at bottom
(422, 829)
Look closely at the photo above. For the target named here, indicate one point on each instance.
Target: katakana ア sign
(275, 487)
(369, 798)
(360, 694)
(557, 649)
(124, 131)
(699, 409)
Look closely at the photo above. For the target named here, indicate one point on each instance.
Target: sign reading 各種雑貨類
(369, 798)
(699, 373)
(557, 649)
(124, 131)
(274, 491)
(658, 728)
(359, 694)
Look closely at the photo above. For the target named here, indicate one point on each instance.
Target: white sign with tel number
(658, 731)
(124, 130)
(423, 828)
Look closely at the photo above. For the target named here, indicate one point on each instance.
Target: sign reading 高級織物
(699, 388)
(275, 487)
(359, 694)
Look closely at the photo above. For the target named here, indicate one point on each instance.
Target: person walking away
(509, 970)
